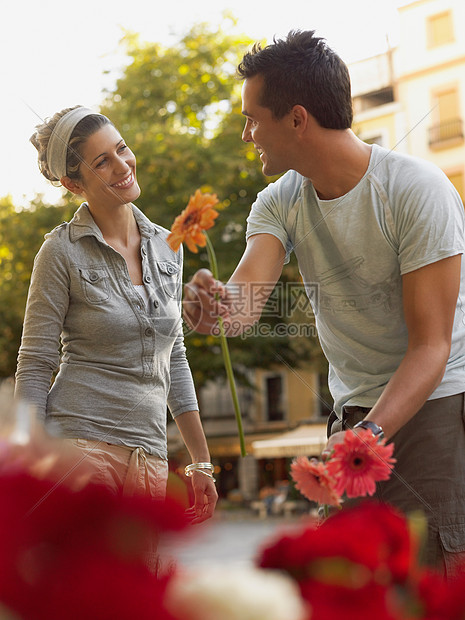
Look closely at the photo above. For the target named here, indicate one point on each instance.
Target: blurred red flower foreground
(360, 564)
(81, 554)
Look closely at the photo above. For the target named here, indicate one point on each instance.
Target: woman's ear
(72, 186)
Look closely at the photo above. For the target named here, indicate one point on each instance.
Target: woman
(107, 287)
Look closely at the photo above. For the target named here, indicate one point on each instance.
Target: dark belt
(356, 409)
(351, 409)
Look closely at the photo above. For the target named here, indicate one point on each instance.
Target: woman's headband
(58, 143)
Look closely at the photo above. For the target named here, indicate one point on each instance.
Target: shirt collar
(83, 224)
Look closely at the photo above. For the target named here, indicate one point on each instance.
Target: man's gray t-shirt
(352, 251)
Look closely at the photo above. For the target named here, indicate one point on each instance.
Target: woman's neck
(117, 225)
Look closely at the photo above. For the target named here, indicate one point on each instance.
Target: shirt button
(155, 303)
(147, 279)
(170, 270)
(144, 251)
(149, 331)
(93, 276)
(138, 306)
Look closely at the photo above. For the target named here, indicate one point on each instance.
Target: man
(381, 235)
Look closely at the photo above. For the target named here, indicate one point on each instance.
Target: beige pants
(128, 470)
(121, 469)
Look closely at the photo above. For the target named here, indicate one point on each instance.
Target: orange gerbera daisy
(312, 480)
(359, 462)
(198, 216)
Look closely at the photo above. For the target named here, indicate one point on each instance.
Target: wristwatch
(371, 426)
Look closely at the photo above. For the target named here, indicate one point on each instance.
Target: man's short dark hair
(302, 70)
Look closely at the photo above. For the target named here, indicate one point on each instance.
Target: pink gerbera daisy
(359, 462)
(312, 480)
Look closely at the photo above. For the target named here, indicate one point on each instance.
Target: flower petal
(198, 216)
(313, 481)
(359, 462)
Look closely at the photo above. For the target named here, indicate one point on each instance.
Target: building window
(274, 388)
(449, 126)
(440, 29)
(373, 99)
(216, 400)
(447, 103)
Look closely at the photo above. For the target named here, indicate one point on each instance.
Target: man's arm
(429, 298)
(241, 301)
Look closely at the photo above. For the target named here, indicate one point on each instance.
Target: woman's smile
(126, 182)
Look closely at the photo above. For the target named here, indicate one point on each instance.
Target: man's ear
(300, 117)
(72, 186)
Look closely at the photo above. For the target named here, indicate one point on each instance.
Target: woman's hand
(203, 485)
(205, 497)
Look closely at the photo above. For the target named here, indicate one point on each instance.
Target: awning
(229, 446)
(222, 446)
(308, 440)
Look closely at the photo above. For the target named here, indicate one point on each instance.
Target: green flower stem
(225, 351)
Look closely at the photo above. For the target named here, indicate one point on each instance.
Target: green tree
(21, 235)
(179, 109)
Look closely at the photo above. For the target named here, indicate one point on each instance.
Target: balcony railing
(448, 130)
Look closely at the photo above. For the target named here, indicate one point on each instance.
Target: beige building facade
(423, 84)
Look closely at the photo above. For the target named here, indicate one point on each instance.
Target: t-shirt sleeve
(429, 221)
(269, 212)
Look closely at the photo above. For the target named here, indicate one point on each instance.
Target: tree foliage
(179, 109)
(21, 235)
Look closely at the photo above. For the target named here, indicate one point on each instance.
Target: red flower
(91, 586)
(313, 481)
(64, 553)
(198, 216)
(387, 545)
(347, 567)
(359, 462)
(440, 599)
